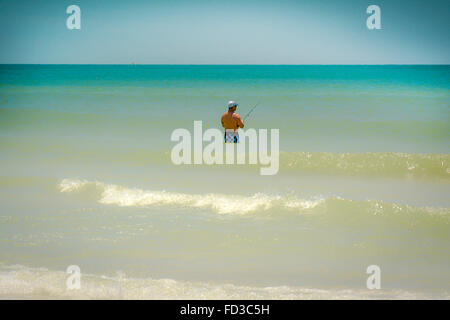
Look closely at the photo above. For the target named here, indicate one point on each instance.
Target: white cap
(232, 104)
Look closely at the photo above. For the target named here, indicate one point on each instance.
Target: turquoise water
(86, 179)
(320, 108)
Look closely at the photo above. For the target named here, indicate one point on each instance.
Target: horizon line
(228, 64)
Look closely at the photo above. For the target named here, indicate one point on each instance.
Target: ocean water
(86, 179)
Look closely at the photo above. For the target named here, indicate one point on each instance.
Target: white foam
(220, 203)
(21, 282)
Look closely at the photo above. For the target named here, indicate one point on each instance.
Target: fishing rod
(248, 113)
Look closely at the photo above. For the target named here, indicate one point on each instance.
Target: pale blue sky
(225, 32)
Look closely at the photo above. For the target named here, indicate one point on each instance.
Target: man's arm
(221, 120)
(240, 122)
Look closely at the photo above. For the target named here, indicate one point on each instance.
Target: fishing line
(248, 113)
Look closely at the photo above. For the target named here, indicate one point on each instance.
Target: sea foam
(113, 194)
(21, 282)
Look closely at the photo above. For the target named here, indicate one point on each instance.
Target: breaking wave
(337, 209)
(220, 203)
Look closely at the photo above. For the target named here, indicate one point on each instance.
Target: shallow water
(86, 179)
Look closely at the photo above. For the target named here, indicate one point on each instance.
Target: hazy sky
(225, 32)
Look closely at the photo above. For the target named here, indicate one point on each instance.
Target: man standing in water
(231, 121)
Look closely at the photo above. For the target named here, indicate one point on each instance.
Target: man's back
(232, 120)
